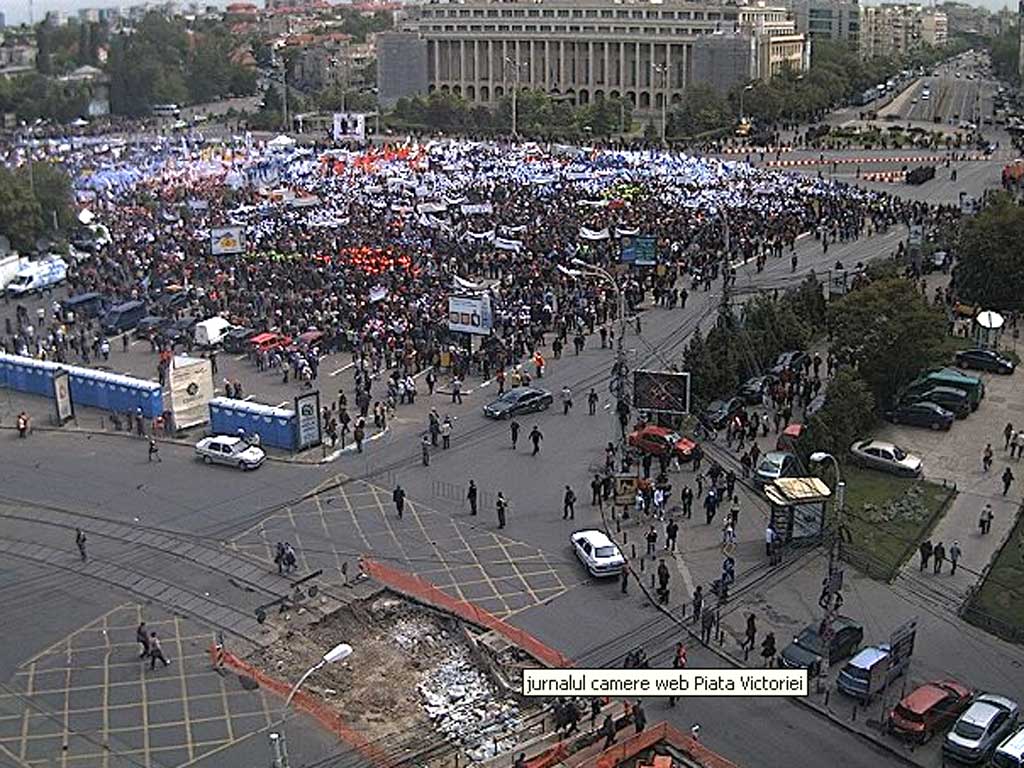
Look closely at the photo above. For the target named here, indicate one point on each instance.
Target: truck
(10, 265)
(38, 276)
(210, 332)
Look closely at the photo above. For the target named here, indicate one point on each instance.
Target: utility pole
(515, 94)
(278, 751)
(831, 593)
(662, 69)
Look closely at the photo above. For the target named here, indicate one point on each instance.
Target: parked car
(793, 360)
(230, 449)
(518, 401)
(599, 554)
(807, 651)
(83, 306)
(985, 360)
(308, 340)
(268, 342)
(855, 678)
(753, 390)
(718, 413)
(887, 457)
(236, 340)
(168, 302)
(149, 327)
(929, 708)
(1010, 754)
(775, 464)
(950, 398)
(983, 725)
(922, 414)
(660, 441)
(123, 317)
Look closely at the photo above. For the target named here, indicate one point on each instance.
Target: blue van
(83, 306)
(124, 317)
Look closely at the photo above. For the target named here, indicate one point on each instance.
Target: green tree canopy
(848, 413)
(990, 270)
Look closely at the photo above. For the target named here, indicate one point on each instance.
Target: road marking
(423, 372)
(106, 689)
(282, 404)
(342, 369)
(66, 737)
(137, 341)
(240, 357)
(29, 692)
(334, 456)
(189, 738)
(248, 398)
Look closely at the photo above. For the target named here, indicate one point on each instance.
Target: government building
(584, 50)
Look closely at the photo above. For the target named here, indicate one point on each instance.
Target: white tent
(79, 123)
(281, 142)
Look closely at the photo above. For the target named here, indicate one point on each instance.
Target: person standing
(431, 381)
(513, 429)
(595, 491)
(678, 662)
(986, 458)
(663, 579)
(142, 638)
(925, 549)
(536, 437)
(652, 541)
(398, 496)
(698, 602)
(569, 504)
(80, 543)
(154, 451)
(639, 717)
(624, 580)
(985, 522)
(768, 649)
(938, 555)
(502, 507)
(471, 496)
(954, 556)
(156, 652)
(592, 399)
(1008, 435)
(671, 532)
(1007, 480)
(446, 432)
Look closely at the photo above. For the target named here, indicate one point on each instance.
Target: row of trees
(34, 199)
(37, 96)
(990, 265)
(62, 49)
(165, 62)
(538, 115)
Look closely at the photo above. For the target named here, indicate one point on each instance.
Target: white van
(1010, 754)
(209, 333)
(38, 276)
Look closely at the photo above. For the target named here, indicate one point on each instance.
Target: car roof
(655, 429)
(867, 657)
(981, 712)
(595, 537)
(777, 456)
(226, 438)
(878, 444)
(1014, 744)
(924, 697)
(996, 700)
(266, 336)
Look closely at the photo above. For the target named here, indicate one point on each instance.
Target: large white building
(585, 50)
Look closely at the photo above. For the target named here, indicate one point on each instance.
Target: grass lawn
(888, 534)
(1002, 593)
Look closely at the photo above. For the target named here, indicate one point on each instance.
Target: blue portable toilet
(275, 426)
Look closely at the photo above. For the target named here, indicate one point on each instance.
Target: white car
(228, 449)
(597, 552)
(878, 454)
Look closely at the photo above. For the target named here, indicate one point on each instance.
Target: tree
(890, 332)
(702, 109)
(990, 270)
(51, 187)
(20, 214)
(847, 414)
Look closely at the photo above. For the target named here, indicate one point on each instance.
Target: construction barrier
(302, 702)
(550, 757)
(423, 591)
(864, 160)
(894, 177)
(649, 737)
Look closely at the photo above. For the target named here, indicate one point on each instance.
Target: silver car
(231, 450)
(888, 457)
(989, 720)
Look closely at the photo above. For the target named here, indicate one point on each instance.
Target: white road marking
(240, 357)
(342, 369)
(350, 448)
(282, 404)
(247, 398)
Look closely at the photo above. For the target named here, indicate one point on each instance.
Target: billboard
(62, 396)
(470, 314)
(640, 250)
(661, 391)
(307, 410)
(227, 240)
(191, 383)
(349, 126)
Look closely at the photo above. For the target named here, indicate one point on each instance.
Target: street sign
(902, 642)
(625, 490)
(662, 391)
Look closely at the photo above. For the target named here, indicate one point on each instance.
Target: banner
(307, 412)
(378, 293)
(477, 208)
(62, 396)
(470, 314)
(431, 208)
(594, 203)
(480, 235)
(641, 251)
(466, 285)
(517, 230)
(594, 234)
(621, 232)
(191, 383)
(227, 240)
(349, 126)
(508, 245)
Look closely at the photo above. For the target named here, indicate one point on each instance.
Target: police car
(597, 552)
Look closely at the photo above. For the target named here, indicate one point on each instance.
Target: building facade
(897, 29)
(827, 19)
(401, 66)
(643, 52)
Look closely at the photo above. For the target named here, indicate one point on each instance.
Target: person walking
(536, 437)
(608, 731)
(471, 497)
(595, 491)
(985, 521)
(446, 433)
(398, 496)
(154, 451)
(663, 579)
(639, 717)
(566, 400)
(80, 543)
(671, 532)
(569, 504)
(986, 458)
(954, 556)
(156, 652)
(698, 601)
(750, 635)
(592, 399)
(652, 541)
(624, 580)
(1007, 480)
(425, 450)
(938, 556)
(142, 638)
(768, 649)
(925, 549)
(707, 625)
(513, 429)
(1007, 435)
(457, 390)
(502, 507)
(678, 662)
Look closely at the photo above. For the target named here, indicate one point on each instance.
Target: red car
(929, 708)
(660, 441)
(268, 342)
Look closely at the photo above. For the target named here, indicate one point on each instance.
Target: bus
(166, 110)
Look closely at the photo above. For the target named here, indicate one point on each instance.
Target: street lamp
(748, 87)
(831, 587)
(515, 90)
(340, 652)
(663, 70)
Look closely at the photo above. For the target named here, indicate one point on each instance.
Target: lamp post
(278, 746)
(747, 87)
(663, 70)
(832, 582)
(516, 64)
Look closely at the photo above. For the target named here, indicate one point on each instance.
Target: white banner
(62, 396)
(621, 232)
(191, 383)
(349, 126)
(594, 203)
(431, 208)
(477, 208)
(466, 285)
(480, 235)
(227, 240)
(594, 234)
(516, 230)
(378, 293)
(307, 411)
(508, 245)
(470, 314)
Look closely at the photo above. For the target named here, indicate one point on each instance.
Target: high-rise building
(896, 29)
(827, 19)
(3, 20)
(585, 50)
(401, 66)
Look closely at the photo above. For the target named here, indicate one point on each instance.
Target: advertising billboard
(191, 383)
(227, 240)
(349, 126)
(307, 411)
(661, 391)
(470, 314)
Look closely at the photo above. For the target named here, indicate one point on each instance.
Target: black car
(794, 361)
(720, 411)
(807, 651)
(517, 401)
(150, 326)
(985, 360)
(950, 398)
(169, 303)
(753, 390)
(176, 332)
(236, 340)
(921, 414)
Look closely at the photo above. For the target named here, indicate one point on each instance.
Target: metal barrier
(416, 588)
(657, 734)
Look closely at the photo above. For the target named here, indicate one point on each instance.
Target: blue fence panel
(275, 426)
